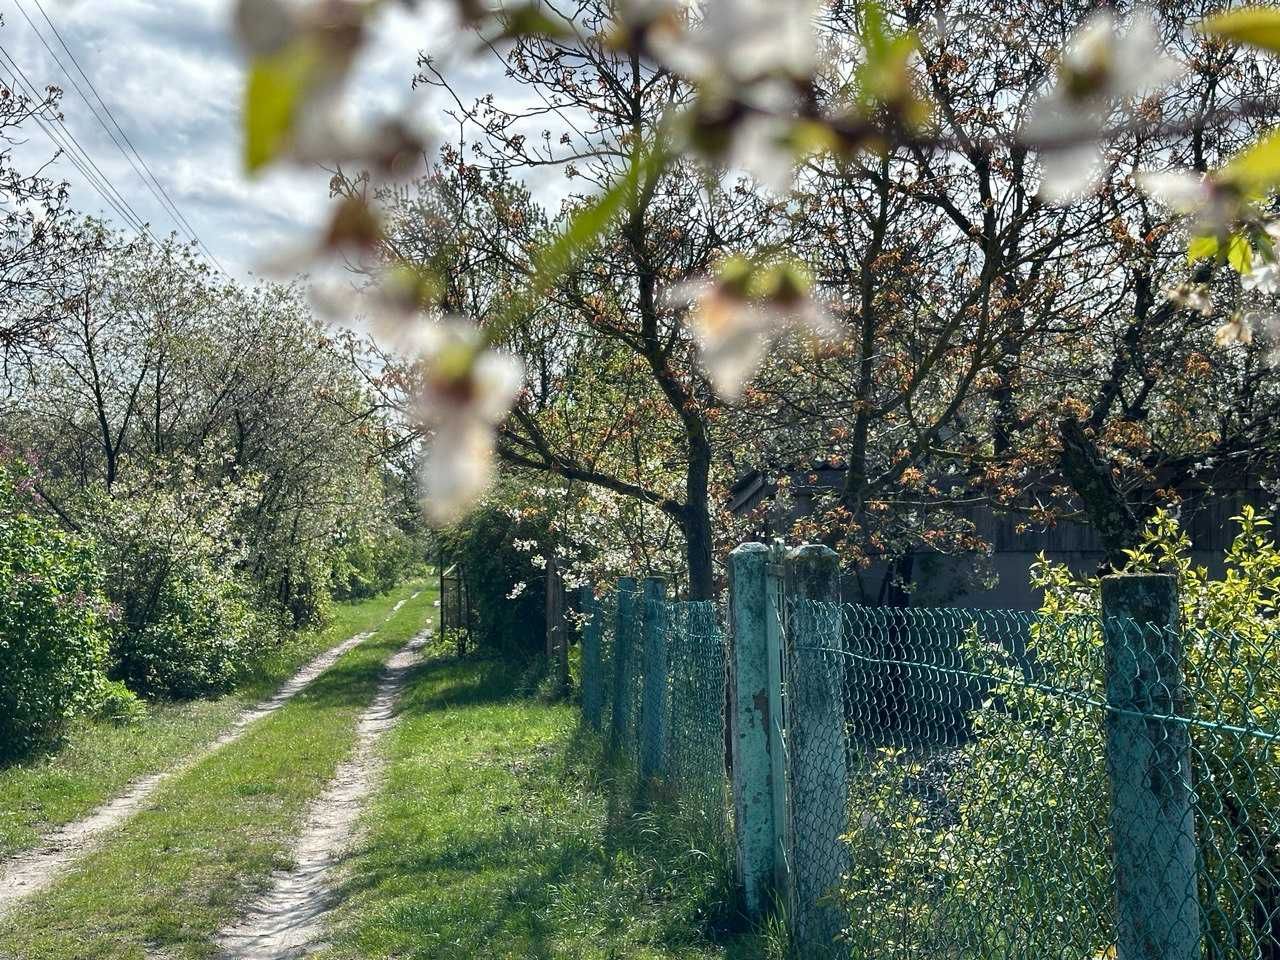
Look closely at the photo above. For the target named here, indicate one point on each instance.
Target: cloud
(171, 76)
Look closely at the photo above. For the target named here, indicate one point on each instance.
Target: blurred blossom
(1212, 206)
(748, 59)
(517, 590)
(1237, 330)
(468, 390)
(1097, 69)
(1191, 296)
(739, 313)
(762, 146)
(742, 41)
(1264, 279)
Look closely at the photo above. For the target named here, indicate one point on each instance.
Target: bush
(52, 622)
(371, 562)
(120, 705)
(493, 568)
(188, 625)
(197, 637)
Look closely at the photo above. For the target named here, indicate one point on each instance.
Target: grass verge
(98, 759)
(499, 833)
(176, 872)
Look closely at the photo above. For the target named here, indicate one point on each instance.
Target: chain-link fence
(1069, 787)
(964, 783)
(653, 684)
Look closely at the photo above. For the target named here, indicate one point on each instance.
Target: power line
(153, 182)
(131, 155)
(72, 148)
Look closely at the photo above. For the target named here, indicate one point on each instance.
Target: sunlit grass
(499, 833)
(98, 759)
(180, 869)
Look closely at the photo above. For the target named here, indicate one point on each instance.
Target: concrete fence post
(754, 686)
(1149, 766)
(653, 711)
(818, 770)
(592, 662)
(620, 726)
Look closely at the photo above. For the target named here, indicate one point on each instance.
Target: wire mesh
(1028, 786)
(695, 733)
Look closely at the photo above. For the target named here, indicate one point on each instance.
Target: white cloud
(170, 73)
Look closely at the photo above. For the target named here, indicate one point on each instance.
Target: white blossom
(468, 391)
(1212, 208)
(1264, 279)
(733, 331)
(1097, 69)
(741, 41)
(517, 590)
(1237, 330)
(761, 145)
(1191, 296)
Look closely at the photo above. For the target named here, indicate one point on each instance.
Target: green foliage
(53, 619)
(188, 625)
(119, 705)
(373, 560)
(1012, 822)
(483, 546)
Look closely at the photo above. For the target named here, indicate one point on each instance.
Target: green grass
(175, 873)
(496, 834)
(97, 760)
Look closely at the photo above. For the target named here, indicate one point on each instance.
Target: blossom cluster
(752, 68)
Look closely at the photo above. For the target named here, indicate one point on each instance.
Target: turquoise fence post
(653, 711)
(592, 664)
(818, 774)
(621, 721)
(753, 687)
(1149, 766)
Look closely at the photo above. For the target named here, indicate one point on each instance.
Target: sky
(172, 76)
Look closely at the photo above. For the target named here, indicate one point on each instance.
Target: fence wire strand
(982, 785)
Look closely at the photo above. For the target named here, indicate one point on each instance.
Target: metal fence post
(621, 720)
(653, 712)
(818, 771)
(592, 665)
(1149, 766)
(754, 684)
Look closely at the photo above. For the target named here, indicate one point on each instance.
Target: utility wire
(131, 154)
(80, 158)
(149, 178)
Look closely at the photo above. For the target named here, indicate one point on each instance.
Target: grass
(98, 759)
(500, 833)
(175, 873)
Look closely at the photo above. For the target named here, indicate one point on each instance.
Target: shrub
(506, 616)
(372, 561)
(52, 622)
(120, 705)
(188, 625)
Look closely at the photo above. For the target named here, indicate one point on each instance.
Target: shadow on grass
(551, 853)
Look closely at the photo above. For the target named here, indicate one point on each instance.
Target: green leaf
(1239, 253)
(1256, 26)
(584, 228)
(1200, 248)
(277, 87)
(1255, 169)
(529, 20)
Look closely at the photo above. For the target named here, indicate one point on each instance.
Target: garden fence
(925, 783)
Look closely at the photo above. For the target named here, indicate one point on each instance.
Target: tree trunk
(699, 542)
(1106, 508)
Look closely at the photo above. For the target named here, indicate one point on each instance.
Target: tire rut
(34, 870)
(287, 921)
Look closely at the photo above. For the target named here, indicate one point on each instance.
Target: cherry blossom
(738, 314)
(467, 392)
(1097, 69)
